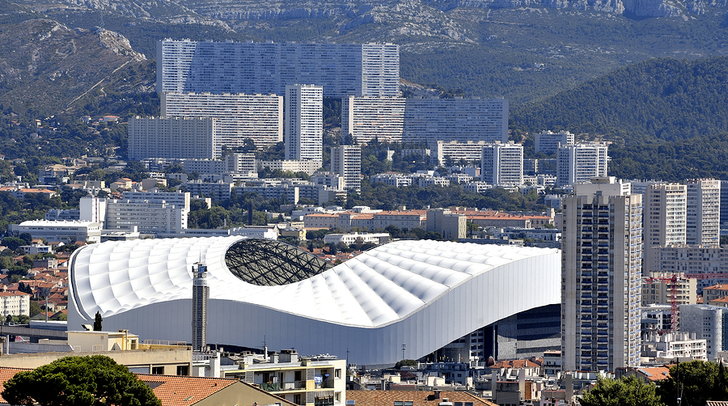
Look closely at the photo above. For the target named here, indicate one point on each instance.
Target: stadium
(406, 299)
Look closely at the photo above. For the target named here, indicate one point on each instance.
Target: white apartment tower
(502, 164)
(703, 212)
(664, 219)
(171, 137)
(304, 122)
(255, 117)
(579, 163)
(601, 277)
(346, 162)
(267, 68)
(548, 142)
(369, 118)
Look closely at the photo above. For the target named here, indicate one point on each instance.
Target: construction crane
(671, 283)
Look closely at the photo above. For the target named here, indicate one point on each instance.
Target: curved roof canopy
(271, 263)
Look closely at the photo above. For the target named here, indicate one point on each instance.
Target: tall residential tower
(304, 122)
(601, 277)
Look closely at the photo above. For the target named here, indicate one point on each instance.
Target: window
(183, 370)
(337, 373)
(402, 403)
(157, 370)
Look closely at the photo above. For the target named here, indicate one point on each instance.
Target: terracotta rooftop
(517, 363)
(720, 286)
(655, 374)
(418, 398)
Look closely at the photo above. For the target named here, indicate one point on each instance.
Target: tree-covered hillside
(666, 118)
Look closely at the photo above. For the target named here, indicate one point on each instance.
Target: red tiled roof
(418, 398)
(720, 286)
(655, 374)
(517, 363)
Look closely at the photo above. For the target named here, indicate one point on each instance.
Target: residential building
(455, 151)
(361, 238)
(172, 137)
(415, 398)
(370, 118)
(703, 212)
(304, 381)
(502, 164)
(288, 165)
(346, 162)
(248, 67)
(680, 346)
(708, 323)
(715, 292)
(179, 199)
(548, 142)
(463, 120)
(304, 122)
(452, 226)
(145, 216)
(708, 265)
(239, 117)
(392, 179)
(217, 191)
(601, 276)
(240, 162)
(668, 288)
(64, 231)
(665, 217)
(724, 206)
(579, 163)
(552, 363)
(658, 318)
(14, 304)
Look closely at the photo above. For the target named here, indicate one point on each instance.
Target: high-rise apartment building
(455, 151)
(248, 67)
(664, 218)
(430, 120)
(548, 142)
(171, 137)
(579, 163)
(239, 117)
(601, 276)
(703, 212)
(502, 164)
(369, 118)
(724, 205)
(398, 119)
(346, 162)
(304, 122)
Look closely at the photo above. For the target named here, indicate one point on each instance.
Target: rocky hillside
(49, 67)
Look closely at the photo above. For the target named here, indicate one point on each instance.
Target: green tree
(695, 382)
(628, 391)
(94, 380)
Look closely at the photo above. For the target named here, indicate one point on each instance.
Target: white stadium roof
(399, 291)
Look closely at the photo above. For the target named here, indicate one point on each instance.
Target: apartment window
(157, 370)
(337, 373)
(403, 403)
(183, 370)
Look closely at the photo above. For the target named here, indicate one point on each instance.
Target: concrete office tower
(703, 218)
(664, 219)
(548, 142)
(579, 163)
(240, 117)
(601, 277)
(430, 120)
(369, 118)
(346, 162)
(502, 164)
(171, 137)
(247, 67)
(304, 122)
(200, 296)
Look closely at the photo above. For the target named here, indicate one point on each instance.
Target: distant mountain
(48, 67)
(666, 118)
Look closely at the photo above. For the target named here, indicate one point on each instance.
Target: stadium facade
(416, 295)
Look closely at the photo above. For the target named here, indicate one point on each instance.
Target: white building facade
(502, 164)
(548, 142)
(703, 212)
(171, 137)
(247, 67)
(304, 122)
(346, 162)
(239, 117)
(579, 163)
